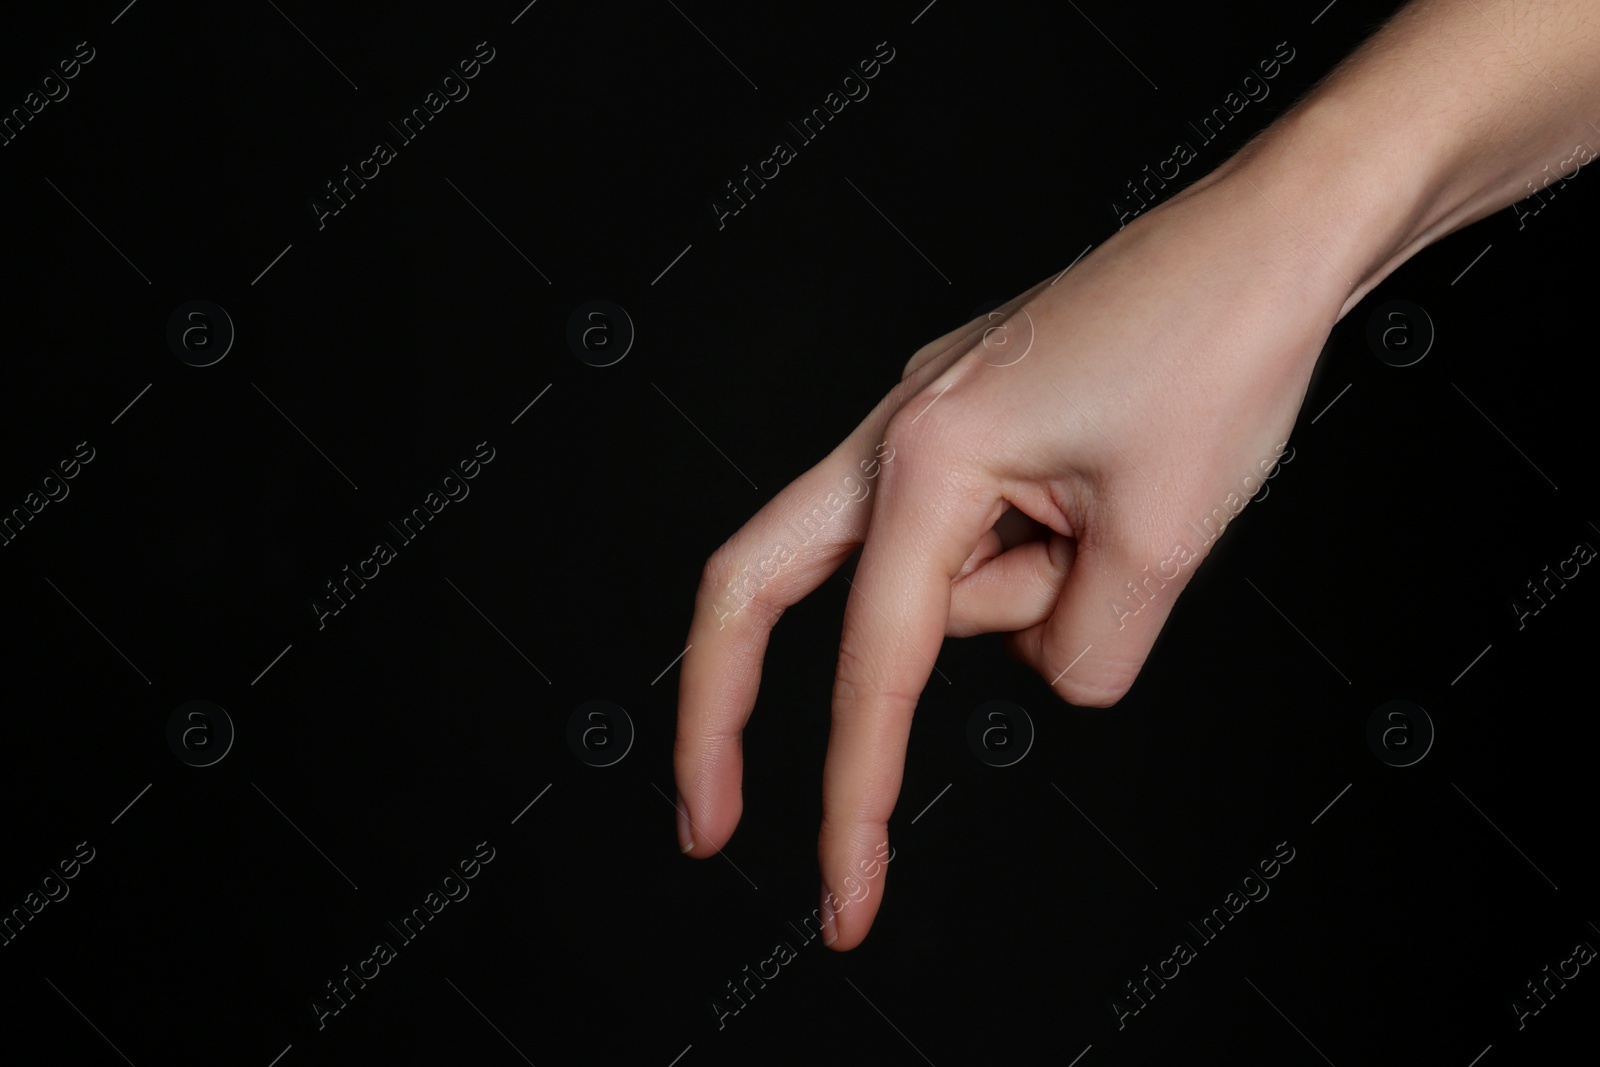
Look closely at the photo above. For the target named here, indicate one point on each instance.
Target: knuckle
(922, 357)
(931, 410)
(921, 421)
(836, 826)
(730, 587)
(849, 675)
(902, 424)
(718, 572)
(856, 685)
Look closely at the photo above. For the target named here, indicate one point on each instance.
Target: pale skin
(1023, 496)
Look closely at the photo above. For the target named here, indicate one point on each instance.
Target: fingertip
(1093, 694)
(854, 874)
(705, 825)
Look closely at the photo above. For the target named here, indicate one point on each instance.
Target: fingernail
(685, 838)
(830, 922)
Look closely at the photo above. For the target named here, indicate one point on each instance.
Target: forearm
(1453, 110)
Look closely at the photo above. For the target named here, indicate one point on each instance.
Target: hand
(1054, 472)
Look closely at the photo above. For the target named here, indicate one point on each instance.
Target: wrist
(1410, 139)
(1360, 198)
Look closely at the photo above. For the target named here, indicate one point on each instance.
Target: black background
(408, 729)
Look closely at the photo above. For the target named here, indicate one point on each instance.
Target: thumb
(1116, 598)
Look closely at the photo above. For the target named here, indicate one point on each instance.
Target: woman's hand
(1055, 470)
(1058, 471)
